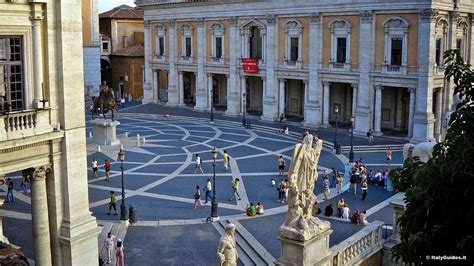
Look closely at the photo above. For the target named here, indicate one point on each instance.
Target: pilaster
(313, 94)
(202, 95)
(173, 97)
(363, 109)
(37, 20)
(149, 93)
(325, 104)
(233, 95)
(270, 106)
(423, 120)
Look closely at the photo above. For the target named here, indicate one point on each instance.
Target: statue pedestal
(104, 132)
(314, 251)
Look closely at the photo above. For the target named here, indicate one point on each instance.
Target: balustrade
(24, 124)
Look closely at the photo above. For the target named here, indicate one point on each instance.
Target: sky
(106, 5)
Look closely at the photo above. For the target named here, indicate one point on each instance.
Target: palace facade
(377, 61)
(42, 130)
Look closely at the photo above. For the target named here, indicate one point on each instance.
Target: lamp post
(244, 110)
(351, 153)
(211, 119)
(123, 208)
(214, 215)
(336, 111)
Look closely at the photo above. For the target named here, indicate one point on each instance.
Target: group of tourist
(25, 180)
(95, 168)
(343, 212)
(253, 210)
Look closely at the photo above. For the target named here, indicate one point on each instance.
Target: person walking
(353, 182)
(208, 189)
(345, 212)
(107, 170)
(225, 159)
(109, 246)
(197, 198)
(95, 167)
(326, 187)
(370, 136)
(340, 180)
(112, 203)
(235, 186)
(198, 164)
(24, 183)
(334, 176)
(119, 254)
(10, 196)
(364, 187)
(389, 155)
(281, 165)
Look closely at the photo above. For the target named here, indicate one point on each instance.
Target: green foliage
(402, 178)
(438, 218)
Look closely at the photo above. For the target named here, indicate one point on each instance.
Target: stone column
(363, 111)
(471, 40)
(264, 81)
(37, 18)
(202, 96)
(2, 237)
(305, 97)
(148, 88)
(378, 110)
(355, 87)
(233, 95)
(281, 97)
(411, 111)
(325, 104)
(209, 88)
(243, 104)
(156, 87)
(270, 104)
(173, 97)
(438, 114)
(39, 215)
(180, 88)
(312, 109)
(423, 120)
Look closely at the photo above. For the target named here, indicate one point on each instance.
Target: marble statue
(227, 249)
(424, 150)
(299, 222)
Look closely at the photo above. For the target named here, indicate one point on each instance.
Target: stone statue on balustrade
(105, 102)
(227, 250)
(299, 223)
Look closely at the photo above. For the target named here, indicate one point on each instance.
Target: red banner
(249, 65)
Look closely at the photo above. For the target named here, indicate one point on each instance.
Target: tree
(438, 218)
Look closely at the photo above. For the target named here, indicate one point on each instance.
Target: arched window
(441, 41)
(217, 51)
(187, 43)
(160, 42)
(293, 43)
(461, 37)
(396, 42)
(340, 44)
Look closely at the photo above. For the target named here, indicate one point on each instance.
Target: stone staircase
(250, 251)
(117, 230)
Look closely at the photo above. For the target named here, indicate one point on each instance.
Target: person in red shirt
(107, 170)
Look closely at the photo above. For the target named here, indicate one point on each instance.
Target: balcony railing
(25, 124)
(187, 59)
(358, 247)
(217, 60)
(160, 58)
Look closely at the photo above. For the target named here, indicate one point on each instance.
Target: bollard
(90, 134)
(126, 134)
(144, 140)
(98, 148)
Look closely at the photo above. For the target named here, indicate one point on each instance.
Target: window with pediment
(253, 40)
(340, 44)
(396, 42)
(441, 42)
(462, 37)
(160, 42)
(293, 42)
(217, 49)
(187, 42)
(12, 91)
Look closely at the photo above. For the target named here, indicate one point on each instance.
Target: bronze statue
(105, 102)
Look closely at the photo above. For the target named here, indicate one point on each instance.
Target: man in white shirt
(208, 189)
(109, 246)
(198, 164)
